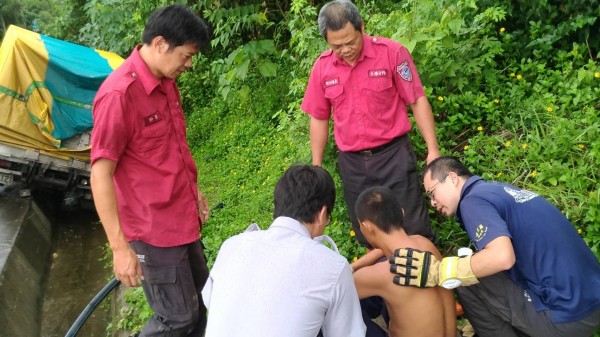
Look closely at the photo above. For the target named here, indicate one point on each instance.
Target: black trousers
(497, 306)
(173, 282)
(394, 167)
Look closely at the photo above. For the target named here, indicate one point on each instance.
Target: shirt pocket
(378, 93)
(335, 95)
(152, 136)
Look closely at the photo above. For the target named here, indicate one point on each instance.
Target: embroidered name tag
(152, 119)
(332, 81)
(378, 73)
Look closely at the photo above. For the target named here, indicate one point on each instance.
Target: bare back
(413, 311)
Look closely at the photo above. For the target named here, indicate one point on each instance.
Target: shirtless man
(413, 311)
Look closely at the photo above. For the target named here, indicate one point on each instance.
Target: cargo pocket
(167, 297)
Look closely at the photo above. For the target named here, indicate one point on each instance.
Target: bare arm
(319, 133)
(426, 124)
(368, 280)
(367, 260)
(125, 263)
(496, 256)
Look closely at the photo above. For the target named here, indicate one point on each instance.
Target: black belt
(377, 149)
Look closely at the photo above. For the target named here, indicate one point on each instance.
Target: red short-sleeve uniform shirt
(368, 100)
(139, 124)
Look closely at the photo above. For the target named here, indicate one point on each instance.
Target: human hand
(127, 267)
(432, 155)
(203, 210)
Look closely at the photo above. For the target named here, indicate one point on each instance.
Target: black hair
(302, 192)
(178, 25)
(380, 206)
(336, 14)
(441, 166)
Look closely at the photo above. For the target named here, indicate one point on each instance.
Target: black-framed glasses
(430, 191)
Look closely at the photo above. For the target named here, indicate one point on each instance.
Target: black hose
(101, 295)
(108, 288)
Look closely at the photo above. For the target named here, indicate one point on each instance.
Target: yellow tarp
(46, 91)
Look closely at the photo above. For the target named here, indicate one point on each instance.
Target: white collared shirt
(279, 282)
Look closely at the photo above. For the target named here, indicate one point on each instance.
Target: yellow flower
(352, 233)
(497, 101)
(354, 259)
(512, 74)
(519, 77)
(581, 146)
(579, 230)
(466, 147)
(499, 174)
(550, 109)
(502, 30)
(534, 173)
(440, 98)
(508, 144)
(524, 146)
(597, 74)
(480, 128)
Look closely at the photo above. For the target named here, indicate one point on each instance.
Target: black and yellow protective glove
(421, 269)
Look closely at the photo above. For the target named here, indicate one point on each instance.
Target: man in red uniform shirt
(366, 83)
(144, 179)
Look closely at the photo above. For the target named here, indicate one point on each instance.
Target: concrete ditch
(25, 244)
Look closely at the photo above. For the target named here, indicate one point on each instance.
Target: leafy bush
(514, 88)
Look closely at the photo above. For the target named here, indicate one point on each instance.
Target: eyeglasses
(430, 191)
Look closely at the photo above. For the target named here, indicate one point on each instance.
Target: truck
(47, 87)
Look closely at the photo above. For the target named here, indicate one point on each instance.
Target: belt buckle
(367, 152)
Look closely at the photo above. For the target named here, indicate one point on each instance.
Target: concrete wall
(25, 243)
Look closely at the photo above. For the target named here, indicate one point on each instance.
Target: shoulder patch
(520, 196)
(404, 72)
(480, 232)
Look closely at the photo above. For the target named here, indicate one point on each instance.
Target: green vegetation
(514, 86)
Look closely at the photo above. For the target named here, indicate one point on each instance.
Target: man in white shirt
(283, 281)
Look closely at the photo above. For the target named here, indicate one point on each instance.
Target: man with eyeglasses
(532, 273)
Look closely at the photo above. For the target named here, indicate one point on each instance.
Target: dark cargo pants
(394, 167)
(498, 307)
(173, 282)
